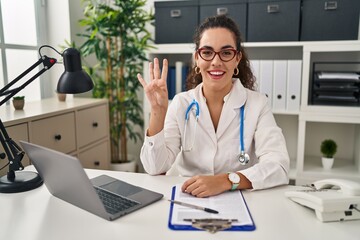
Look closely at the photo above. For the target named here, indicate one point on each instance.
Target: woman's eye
(207, 52)
(226, 53)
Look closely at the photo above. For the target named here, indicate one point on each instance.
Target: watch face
(234, 178)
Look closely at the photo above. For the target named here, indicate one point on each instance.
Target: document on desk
(230, 205)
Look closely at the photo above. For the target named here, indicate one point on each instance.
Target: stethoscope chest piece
(243, 158)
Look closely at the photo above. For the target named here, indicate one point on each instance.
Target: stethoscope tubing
(243, 157)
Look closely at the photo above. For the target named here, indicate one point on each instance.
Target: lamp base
(24, 181)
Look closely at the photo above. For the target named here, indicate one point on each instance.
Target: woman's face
(216, 73)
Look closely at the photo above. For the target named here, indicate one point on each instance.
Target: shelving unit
(305, 128)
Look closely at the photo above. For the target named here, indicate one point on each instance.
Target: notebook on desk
(103, 196)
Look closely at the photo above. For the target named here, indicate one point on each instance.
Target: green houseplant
(116, 33)
(328, 149)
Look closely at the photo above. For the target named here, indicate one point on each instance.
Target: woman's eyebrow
(223, 47)
(227, 46)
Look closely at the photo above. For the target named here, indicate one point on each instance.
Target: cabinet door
(17, 133)
(92, 124)
(56, 132)
(96, 157)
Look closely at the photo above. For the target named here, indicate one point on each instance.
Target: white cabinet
(304, 125)
(79, 127)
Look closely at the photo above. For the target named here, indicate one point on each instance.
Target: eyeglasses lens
(225, 55)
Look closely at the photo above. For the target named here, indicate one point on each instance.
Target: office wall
(58, 29)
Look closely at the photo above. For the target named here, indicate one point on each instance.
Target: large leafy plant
(116, 32)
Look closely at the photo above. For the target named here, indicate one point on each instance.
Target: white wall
(58, 29)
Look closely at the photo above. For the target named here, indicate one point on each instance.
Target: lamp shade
(74, 79)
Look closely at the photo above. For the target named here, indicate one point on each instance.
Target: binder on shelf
(233, 215)
(171, 82)
(293, 93)
(185, 72)
(179, 73)
(266, 78)
(279, 85)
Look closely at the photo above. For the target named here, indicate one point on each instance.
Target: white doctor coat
(217, 152)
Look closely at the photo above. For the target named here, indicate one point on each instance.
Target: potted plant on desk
(328, 149)
(18, 102)
(116, 33)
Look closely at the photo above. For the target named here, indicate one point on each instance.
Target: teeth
(217, 73)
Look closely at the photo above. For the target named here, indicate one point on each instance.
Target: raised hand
(157, 94)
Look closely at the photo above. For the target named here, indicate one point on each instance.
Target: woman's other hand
(157, 94)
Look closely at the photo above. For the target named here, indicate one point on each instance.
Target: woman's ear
(195, 57)
(238, 57)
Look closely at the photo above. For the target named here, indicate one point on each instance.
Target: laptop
(103, 196)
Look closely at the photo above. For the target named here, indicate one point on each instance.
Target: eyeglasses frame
(217, 53)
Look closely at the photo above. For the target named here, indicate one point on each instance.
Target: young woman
(221, 133)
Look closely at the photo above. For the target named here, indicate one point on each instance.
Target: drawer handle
(95, 124)
(221, 10)
(330, 5)
(274, 8)
(97, 163)
(57, 137)
(176, 13)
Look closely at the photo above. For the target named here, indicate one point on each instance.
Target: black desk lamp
(73, 80)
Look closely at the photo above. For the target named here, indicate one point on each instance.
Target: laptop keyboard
(114, 203)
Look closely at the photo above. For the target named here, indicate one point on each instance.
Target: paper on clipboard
(231, 205)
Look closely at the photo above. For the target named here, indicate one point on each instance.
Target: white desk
(37, 215)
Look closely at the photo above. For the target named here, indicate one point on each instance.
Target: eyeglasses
(225, 55)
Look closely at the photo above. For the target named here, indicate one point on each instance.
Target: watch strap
(234, 186)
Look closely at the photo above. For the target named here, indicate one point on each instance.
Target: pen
(209, 210)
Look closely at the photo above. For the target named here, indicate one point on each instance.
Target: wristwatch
(234, 178)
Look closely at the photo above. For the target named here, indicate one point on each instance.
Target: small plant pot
(327, 163)
(129, 166)
(61, 97)
(18, 104)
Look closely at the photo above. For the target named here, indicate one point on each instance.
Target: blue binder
(191, 228)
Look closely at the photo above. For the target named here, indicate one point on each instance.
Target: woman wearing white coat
(221, 84)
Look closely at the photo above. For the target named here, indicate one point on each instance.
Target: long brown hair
(221, 21)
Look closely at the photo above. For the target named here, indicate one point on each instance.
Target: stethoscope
(243, 157)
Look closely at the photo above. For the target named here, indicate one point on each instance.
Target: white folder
(178, 76)
(279, 85)
(293, 85)
(266, 78)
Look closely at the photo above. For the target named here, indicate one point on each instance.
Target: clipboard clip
(211, 225)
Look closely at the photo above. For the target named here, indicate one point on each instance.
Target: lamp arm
(13, 151)
(48, 63)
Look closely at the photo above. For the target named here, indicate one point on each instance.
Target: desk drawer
(92, 124)
(57, 132)
(96, 157)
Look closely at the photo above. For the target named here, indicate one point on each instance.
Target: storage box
(273, 20)
(176, 21)
(236, 9)
(330, 20)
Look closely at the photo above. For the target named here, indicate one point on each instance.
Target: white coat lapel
(205, 121)
(230, 111)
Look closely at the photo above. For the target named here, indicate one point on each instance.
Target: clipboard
(211, 224)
